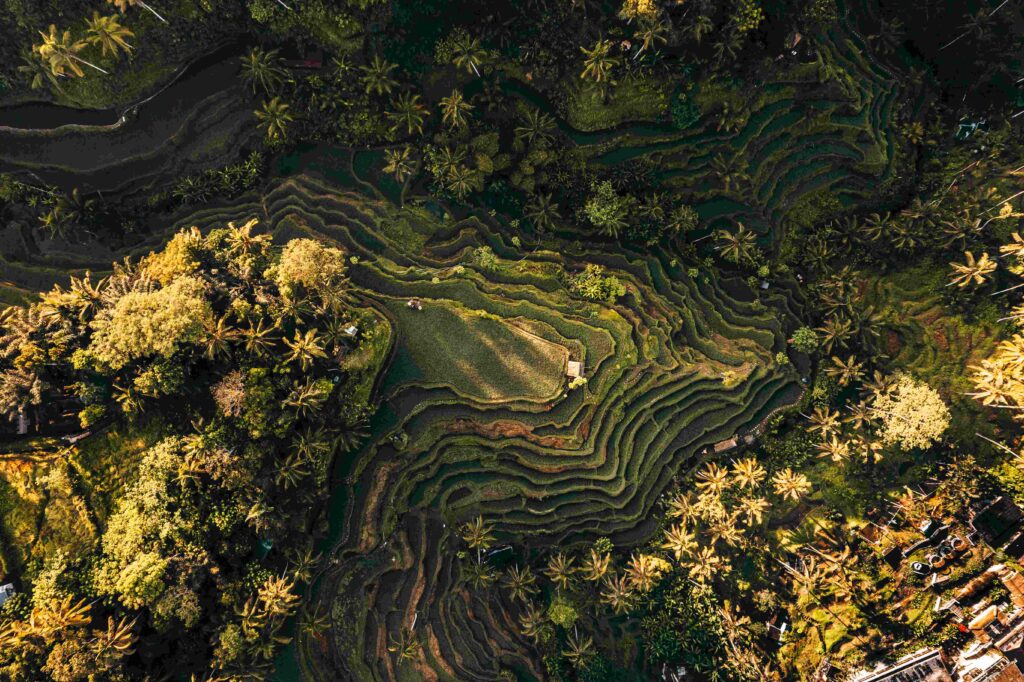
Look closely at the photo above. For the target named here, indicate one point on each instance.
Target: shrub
(805, 340)
(593, 284)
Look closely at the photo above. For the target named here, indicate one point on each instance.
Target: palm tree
(598, 64)
(728, 172)
(305, 348)
(700, 27)
(560, 569)
(108, 33)
(123, 5)
(278, 597)
(705, 564)
(748, 473)
(536, 127)
(753, 509)
(679, 541)
(480, 574)
(579, 651)
(454, 109)
(596, 566)
(469, 54)
(652, 31)
(407, 111)
(462, 180)
(291, 471)
(478, 535)
(60, 52)
(275, 118)
(835, 449)
(399, 163)
(644, 570)
(824, 421)
(117, 641)
(845, 371)
(974, 271)
(542, 212)
(618, 593)
(218, 335)
(713, 479)
(738, 246)
(303, 562)
(261, 69)
(406, 645)
(521, 582)
(37, 71)
(791, 485)
(835, 331)
(377, 76)
(683, 507)
(258, 339)
(532, 622)
(726, 529)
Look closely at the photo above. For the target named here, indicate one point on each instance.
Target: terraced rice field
(477, 416)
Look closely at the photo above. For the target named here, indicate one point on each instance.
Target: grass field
(475, 354)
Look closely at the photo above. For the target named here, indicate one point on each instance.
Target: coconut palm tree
(753, 509)
(836, 330)
(291, 471)
(108, 33)
(455, 109)
(738, 246)
(598, 62)
(469, 54)
(305, 398)
(305, 348)
(480, 575)
(579, 651)
(521, 582)
(713, 479)
(37, 72)
(701, 26)
(683, 507)
(974, 271)
(377, 76)
(462, 180)
(274, 117)
(790, 485)
(644, 570)
(261, 70)
(652, 31)
(117, 641)
(824, 421)
(596, 566)
(835, 449)
(726, 530)
(748, 473)
(60, 52)
(303, 562)
(406, 645)
(477, 534)
(679, 541)
(845, 371)
(259, 339)
(278, 597)
(123, 6)
(542, 212)
(532, 623)
(618, 594)
(705, 564)
(561, 570)
(399, 163)
(537, 127)
(408, 111)
(219, 334)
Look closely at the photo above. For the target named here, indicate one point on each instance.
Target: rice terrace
(582, 341)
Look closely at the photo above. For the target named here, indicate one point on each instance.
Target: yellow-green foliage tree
(912, 414)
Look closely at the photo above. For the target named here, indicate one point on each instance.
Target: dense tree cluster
(248, 344)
